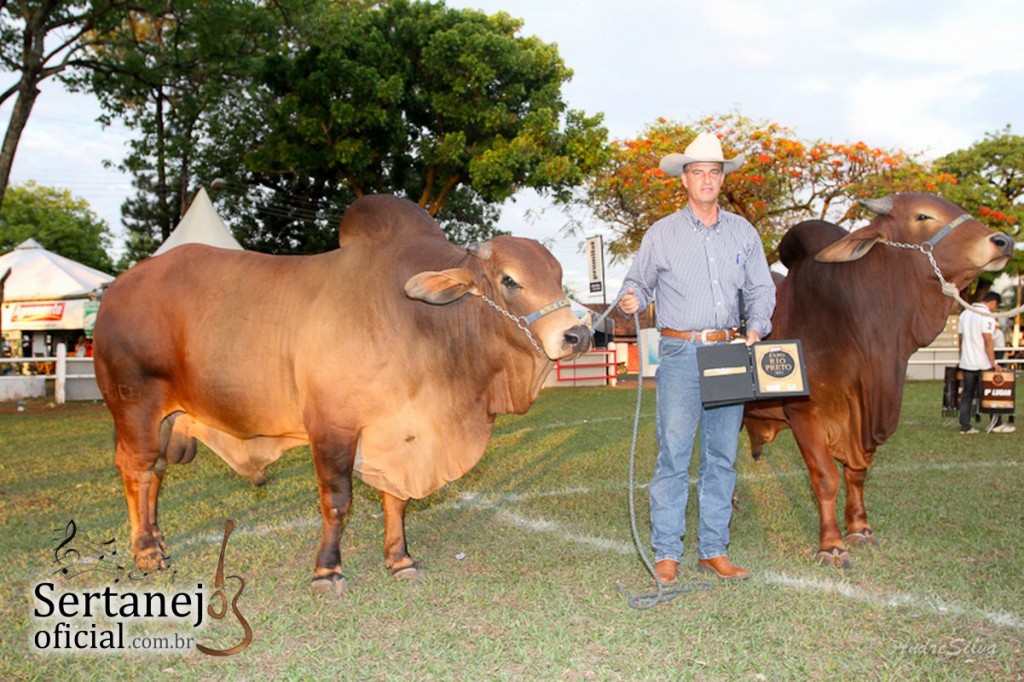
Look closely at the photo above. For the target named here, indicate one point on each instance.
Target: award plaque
(733, 373)
(779, 369)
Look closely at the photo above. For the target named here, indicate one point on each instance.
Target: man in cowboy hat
(698, 261)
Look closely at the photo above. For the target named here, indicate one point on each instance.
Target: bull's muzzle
(578, 338)
(1004, 243)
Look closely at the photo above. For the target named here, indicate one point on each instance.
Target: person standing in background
(977, 353)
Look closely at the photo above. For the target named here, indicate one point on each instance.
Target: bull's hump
(383, 218)
(806, 239)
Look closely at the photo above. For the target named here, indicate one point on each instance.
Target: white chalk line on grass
(907, 600)
(494, 500)
(553, 528)
(894, 600)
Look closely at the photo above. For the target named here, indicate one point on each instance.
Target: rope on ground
(665, 592)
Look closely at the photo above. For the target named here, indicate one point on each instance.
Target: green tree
(40, 39)
(162, 73)
(400, 97)
(58, 221)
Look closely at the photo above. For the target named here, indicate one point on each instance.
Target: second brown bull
(862, 303)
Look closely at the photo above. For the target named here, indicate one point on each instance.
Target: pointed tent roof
(200, 225)
(41, 275)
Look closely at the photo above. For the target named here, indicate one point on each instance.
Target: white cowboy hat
(705, 148)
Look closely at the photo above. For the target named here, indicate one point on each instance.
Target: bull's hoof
(152, 560)
(330, 584)
(865, 538)
(834, 558)
(407, 573)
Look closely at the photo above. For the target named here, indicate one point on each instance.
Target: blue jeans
(678, 415)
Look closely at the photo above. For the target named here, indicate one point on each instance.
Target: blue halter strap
(550, 308)
(938, 236)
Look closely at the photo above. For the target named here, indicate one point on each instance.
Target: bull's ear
(441, 287)
(851, 247)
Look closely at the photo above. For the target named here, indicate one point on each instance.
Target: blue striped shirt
(697, 272)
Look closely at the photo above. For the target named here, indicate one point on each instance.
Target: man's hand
(753, 337)
(629, 303)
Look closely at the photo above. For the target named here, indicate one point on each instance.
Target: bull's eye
(921, 217)
(510, 283)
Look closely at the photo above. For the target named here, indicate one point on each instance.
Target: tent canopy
(200, 225)
(41, 275)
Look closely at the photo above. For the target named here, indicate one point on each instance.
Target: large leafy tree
(58, 221)
(40, 39)
(450, 108)
(785, 179)
(303, 105)
(162, 73)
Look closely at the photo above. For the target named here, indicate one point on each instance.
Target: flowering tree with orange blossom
(783, 181)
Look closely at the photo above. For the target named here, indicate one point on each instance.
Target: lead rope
(948, 288)
(664, 593)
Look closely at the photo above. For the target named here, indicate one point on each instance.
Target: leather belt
(704, 336)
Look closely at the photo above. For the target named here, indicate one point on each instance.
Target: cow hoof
(330, 584)
(865, 538)
(407, 573)
(151, 561)
(834, 558)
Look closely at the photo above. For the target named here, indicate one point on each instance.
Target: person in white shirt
(977, 352)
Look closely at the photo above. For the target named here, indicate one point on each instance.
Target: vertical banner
(595, 264)
(89, 320)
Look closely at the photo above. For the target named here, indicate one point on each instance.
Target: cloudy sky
(928, 77)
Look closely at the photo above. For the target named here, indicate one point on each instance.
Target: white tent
(46, 290)
(200, 225)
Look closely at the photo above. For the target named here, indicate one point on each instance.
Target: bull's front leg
(825, 483)
(858, 530)
(396, 552)
(333, 456)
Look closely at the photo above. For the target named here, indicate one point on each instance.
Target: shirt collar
(696, 223)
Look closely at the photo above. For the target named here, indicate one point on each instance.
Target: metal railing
(62, 369)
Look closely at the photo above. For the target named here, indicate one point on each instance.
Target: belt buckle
(704, 334)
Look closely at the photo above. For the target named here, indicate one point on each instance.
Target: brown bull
(862, 307)
(389, 356)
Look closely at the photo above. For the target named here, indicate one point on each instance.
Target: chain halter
(524, 322)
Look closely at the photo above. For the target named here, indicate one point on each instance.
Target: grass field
(523, 554)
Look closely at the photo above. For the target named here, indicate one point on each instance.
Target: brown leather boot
(723, 568)
(665, 570)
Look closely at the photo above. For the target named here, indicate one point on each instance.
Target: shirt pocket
(735, 271)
